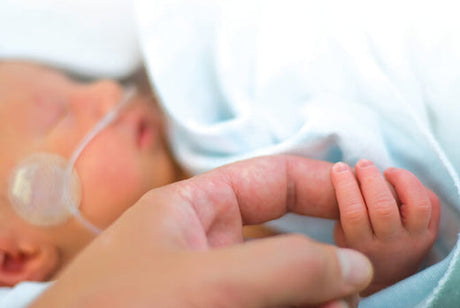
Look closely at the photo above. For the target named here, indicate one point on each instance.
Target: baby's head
(44, 111)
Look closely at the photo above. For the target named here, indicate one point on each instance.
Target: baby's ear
(26, 261)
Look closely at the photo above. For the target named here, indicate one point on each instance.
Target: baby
(44, 111)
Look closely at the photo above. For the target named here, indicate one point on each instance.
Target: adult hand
(181, 245)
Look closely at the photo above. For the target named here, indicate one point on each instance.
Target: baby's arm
(395, 232)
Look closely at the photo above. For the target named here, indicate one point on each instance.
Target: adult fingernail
(337, 304)
(356, 268)
(340, 167)
(364, 163)
(341, 304)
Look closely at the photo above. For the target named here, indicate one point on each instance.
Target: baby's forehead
(31, 69)
(25, 89)
(26, 72)
(15, 117)
(17, 68)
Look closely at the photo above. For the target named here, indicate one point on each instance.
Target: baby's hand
(395, 232)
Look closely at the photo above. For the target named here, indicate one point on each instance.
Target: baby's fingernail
(340, 167)
(390, 170)
(356, 268)
(364, 163)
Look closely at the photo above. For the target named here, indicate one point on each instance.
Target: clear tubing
(112, 115)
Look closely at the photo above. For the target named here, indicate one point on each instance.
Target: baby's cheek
(118, 180)
(109, 188)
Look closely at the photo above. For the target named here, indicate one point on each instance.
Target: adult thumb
(290, 270)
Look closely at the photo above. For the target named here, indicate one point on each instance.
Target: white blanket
(85, 36)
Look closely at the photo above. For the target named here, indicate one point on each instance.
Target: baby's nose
(97, 99)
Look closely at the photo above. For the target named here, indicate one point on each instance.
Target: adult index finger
(252, 192)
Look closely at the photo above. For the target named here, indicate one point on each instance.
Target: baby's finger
(381, 205)
(339, 237)
(433, 226)
(416, 204)
(353, 213)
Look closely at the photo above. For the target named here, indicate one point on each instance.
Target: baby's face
(41, 110)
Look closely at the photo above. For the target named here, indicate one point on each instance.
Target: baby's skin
(391, 218)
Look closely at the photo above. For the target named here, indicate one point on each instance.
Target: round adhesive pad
(40, 191)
